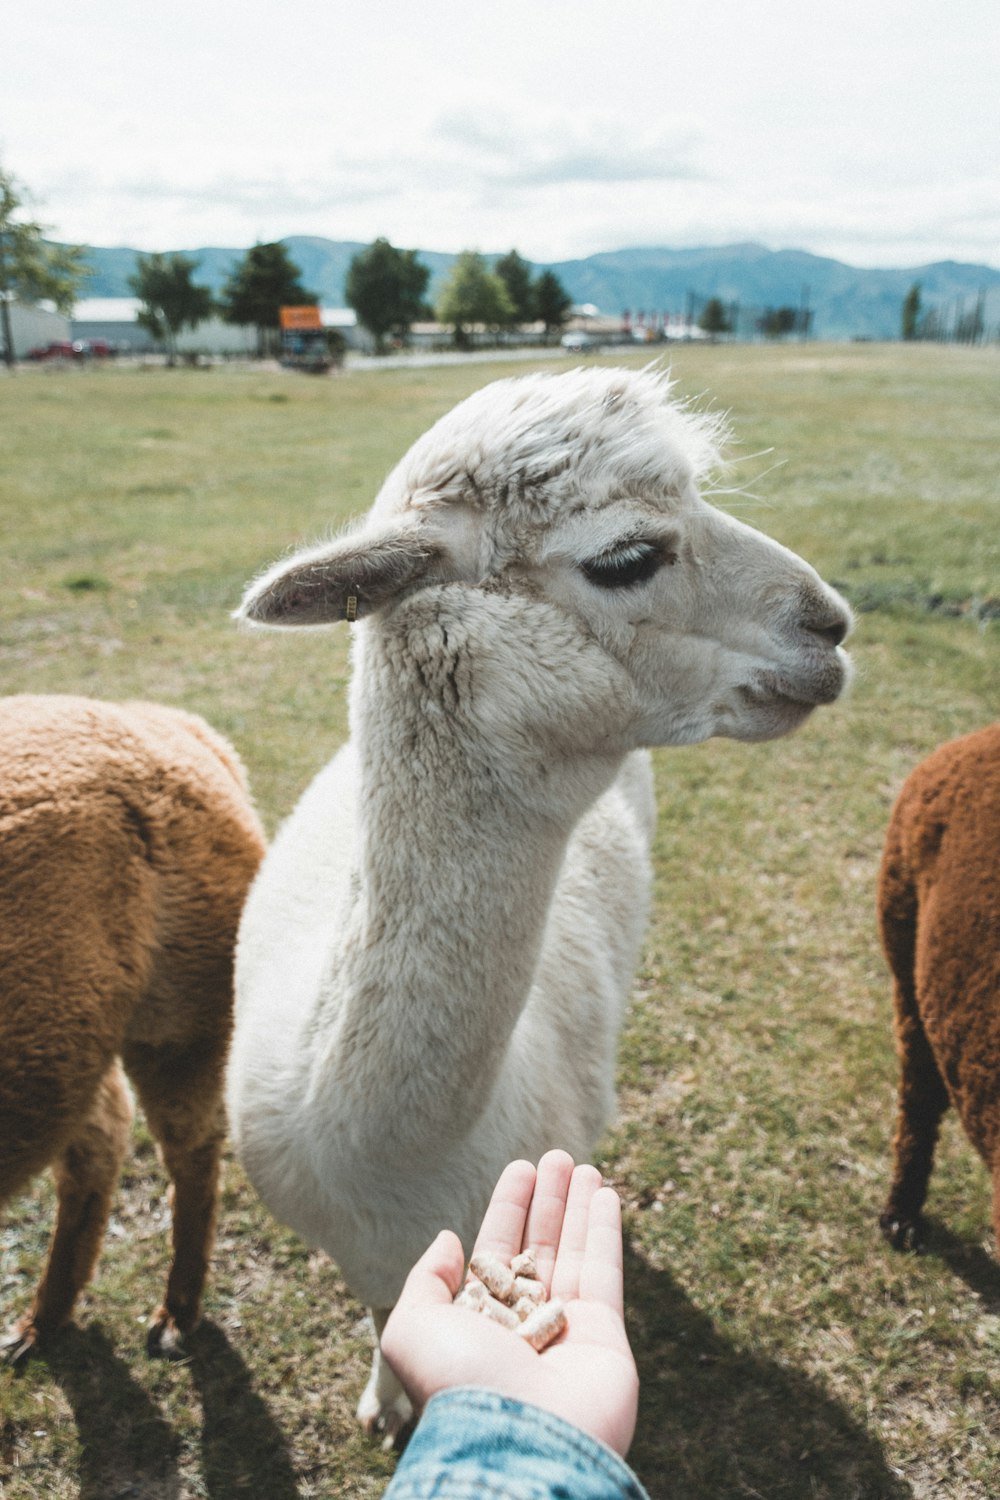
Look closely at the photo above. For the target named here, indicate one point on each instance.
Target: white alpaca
(434, 961)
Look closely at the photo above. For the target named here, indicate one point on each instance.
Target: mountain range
(845, 301)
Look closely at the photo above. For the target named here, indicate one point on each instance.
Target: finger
(548, 1208)
(585, 1183)
(502, 1229)
(437, 1275)
(601, 1271)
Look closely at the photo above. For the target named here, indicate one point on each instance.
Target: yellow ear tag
(351, 608)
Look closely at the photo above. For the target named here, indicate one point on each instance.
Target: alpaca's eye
(635, 563)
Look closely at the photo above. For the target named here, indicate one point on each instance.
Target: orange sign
(300, 317)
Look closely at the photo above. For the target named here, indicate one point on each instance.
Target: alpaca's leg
(181, 1094)
(384, 1407)
(923, 1099)
(86, 1173)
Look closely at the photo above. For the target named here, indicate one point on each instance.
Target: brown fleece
(939, 913)
(127, 844)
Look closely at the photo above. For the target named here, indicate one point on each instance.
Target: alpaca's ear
(345, 580)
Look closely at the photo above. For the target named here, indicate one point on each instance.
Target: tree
(714, 318)
(932, 326)
(265, 280)
(779, 321)
(473, 294)
(170, 300)
(910, 320)
(552, 302)
(970, 325)
(30, 269)
(386, 288)
(515, 273)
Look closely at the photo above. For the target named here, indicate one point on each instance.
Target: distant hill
(846, 301)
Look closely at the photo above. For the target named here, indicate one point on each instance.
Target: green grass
(784, 1350)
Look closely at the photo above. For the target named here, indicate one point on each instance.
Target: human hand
(588, 1375)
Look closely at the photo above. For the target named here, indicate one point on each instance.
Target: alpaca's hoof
(386, 1420)
(903, 1233)
(19, 1343)
(164, 1339)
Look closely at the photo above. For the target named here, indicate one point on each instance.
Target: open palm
(588, 1375)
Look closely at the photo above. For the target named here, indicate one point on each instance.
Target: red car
(78, 349)
(58, 349)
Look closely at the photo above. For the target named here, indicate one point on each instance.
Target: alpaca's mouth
(823, 684)
(775, 706)
(775, 696)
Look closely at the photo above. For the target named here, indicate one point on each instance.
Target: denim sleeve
(476, 1445)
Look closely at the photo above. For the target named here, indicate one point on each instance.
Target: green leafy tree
(170, 300)
(386, 288)
(515, 273)
(552, 302)
(265, 280)
(779, 321)
(714, 318)
(910, 319)
(473, 294)
(30, 269)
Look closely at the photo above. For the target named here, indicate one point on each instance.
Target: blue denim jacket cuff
(473, 1444)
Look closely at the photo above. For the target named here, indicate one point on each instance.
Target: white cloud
(868, 132)
(565, 148)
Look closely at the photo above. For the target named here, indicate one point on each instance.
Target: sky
(868, 130)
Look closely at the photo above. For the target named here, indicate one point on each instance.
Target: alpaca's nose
(826, 615)
(834, 632)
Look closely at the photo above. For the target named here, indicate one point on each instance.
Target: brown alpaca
(939, 912)
(127, 843)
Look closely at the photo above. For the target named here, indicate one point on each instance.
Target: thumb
(437, 1275)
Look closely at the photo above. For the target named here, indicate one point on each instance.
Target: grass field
(785, 1351)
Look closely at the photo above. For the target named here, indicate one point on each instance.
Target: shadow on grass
(243, 1449)
(969, 1262)
(718, 1420)
(129, 1450)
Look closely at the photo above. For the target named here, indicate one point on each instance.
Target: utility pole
(8, 336)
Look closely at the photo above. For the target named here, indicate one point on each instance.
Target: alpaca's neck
(456, 872)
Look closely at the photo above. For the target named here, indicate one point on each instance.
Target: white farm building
(33, 325)
(114, 319)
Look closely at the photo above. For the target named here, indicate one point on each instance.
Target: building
(114, 319)
(33, 325)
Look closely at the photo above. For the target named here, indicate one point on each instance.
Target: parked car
(57, 349)
(579, 343)
(75, 349)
